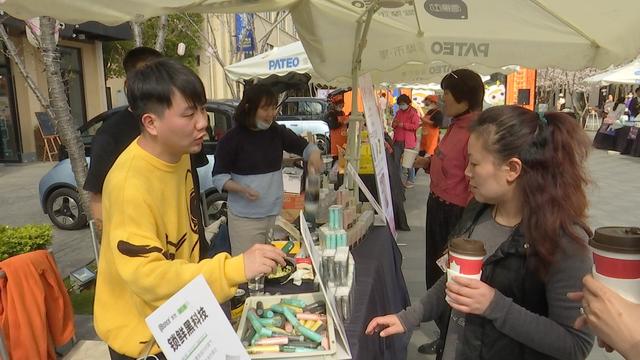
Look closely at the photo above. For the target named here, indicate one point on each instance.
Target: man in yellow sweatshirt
(150, 244)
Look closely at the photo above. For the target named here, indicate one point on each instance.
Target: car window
(302, 108)
(289, 109)
(219, 124)
(310, 108)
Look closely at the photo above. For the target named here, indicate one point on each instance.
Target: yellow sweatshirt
(150, 248)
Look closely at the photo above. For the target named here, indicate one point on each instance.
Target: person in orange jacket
(338, 123)
(431, 122)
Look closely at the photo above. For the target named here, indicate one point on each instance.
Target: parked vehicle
(306, 114)
(58, 191)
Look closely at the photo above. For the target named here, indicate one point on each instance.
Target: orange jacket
(338, 137)
(430, 135)
(34, 306)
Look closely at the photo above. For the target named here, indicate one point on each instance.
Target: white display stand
(343, 349)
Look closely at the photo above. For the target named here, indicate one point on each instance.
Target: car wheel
(323, 144)
(216, 204)
(65, 211)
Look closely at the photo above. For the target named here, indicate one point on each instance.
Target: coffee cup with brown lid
(465, 258)
(616, 259)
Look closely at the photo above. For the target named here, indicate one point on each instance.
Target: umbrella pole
(356, 118)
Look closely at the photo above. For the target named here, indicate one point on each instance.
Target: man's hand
(250, 194)
(262, 259)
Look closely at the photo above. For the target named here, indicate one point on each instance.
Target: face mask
(404, 106)
(261, 125)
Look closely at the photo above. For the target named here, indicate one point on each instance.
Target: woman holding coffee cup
(528, 179)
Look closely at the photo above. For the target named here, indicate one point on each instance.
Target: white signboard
(192, 326)
(375, 128)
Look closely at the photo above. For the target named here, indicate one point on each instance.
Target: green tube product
(295, 302)
(249, 333)
(259, 308)
(314, 305)
(288, 247)
(296, 338)
(267, 322)
(255, 338)
(277, 330)
(307, 344)
(294, 349)
(255, 321)
(313, 336)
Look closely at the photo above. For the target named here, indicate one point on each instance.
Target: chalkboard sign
(524, 96)
(46, 125)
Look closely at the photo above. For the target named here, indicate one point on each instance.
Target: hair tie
(542, 119)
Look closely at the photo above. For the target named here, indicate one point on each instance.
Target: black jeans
(442, 217)
(116, 356)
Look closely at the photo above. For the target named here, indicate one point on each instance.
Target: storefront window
(9, 140)
(72, 76)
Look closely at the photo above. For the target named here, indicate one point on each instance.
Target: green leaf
(23, 239)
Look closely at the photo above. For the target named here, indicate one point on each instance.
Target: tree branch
(265, 39)
(163, 24)
(214, 47)
(63, 120)
(137, 32)
(13, 54)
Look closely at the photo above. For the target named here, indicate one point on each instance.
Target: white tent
(628, 74)
(292, 58)
(278, 61)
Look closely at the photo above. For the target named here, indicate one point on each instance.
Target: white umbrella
(492, 33)
(628, 74)
(114, 12)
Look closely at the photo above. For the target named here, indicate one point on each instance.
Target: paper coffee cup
(466, 256)
(452, 273)
(465, 259)
(616, 260)
(408, 157)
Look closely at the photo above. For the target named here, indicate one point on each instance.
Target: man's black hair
(137, 57)
(151, 87)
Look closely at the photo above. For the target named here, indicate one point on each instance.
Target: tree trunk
(163, 24)
(137, 32)
(13, 54)
(62, 118)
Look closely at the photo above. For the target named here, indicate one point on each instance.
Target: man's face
(182, 127)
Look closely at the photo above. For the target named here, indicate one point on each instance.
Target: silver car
(58, 191)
